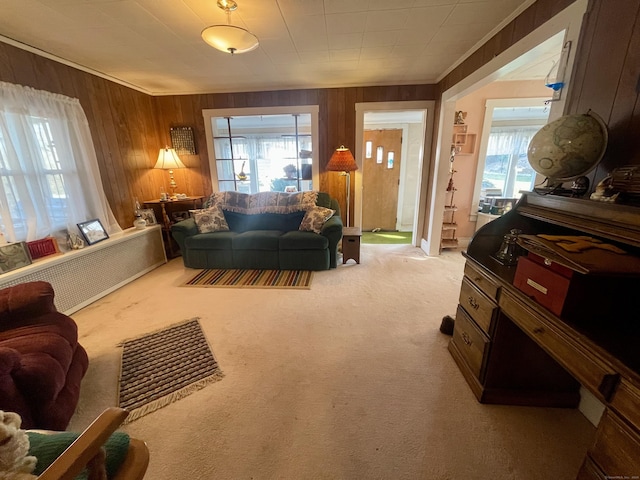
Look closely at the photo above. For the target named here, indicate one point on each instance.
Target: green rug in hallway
(386, 237)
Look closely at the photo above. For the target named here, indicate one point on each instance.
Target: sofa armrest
(25, 301)
(183, 229)
(332, 229)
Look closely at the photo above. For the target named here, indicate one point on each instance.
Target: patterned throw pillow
(210, 219)
(315, 219)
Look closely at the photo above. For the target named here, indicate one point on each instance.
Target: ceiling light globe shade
(230, 39)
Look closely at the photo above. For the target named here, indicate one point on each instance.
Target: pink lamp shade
(342, 161)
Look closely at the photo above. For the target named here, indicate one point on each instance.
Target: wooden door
(381, 179)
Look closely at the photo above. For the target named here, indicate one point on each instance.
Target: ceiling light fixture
(228, 38)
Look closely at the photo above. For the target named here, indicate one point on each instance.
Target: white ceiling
(155, 45)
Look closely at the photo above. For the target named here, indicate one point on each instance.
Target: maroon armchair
(41, 361)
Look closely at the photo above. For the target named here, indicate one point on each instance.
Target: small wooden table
(168, 212)
(351, 243)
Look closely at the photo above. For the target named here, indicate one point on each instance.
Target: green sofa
(265, 240)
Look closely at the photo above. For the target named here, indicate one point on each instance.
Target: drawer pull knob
(538, 330)
(473, 303)
(465, 338)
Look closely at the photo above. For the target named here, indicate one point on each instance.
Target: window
(503, 168)
(47, 162)
(269, 151)
(506, 169)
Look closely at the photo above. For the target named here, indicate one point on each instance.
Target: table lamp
(342, 161)
(168, 160)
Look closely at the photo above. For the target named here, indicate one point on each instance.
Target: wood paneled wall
(121, 121)
(129, 127)
(337, 120)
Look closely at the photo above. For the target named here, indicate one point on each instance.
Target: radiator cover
(80, 277)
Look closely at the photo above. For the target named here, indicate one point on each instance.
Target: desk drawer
(586, 367)
(479, 307)
(617, 448)
(590, 471)
(471, 342)
(626, 401)
(481, 280)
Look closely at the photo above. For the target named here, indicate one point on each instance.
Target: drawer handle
(538, 330)
(608, 385)
(473, 303)
(466, 339)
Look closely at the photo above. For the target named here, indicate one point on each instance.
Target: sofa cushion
(315, 218)
(210, 219)
(257, 240)
(240, 222)
(303, 241)
(211, 241)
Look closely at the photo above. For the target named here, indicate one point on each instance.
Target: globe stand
(579, 187)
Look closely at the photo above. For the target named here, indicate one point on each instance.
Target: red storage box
(569, 294)
(547, 286)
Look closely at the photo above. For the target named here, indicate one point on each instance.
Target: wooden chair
(87, 446)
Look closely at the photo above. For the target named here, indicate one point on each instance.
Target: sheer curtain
(49, 173)
(509, 145)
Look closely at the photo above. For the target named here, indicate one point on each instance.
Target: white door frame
(425, 157)
(569, 20)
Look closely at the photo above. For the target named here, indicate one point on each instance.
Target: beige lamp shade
(342, 161)
(168, 160)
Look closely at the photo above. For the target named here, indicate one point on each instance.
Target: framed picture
(148, 215)
(14, 255)
(93, 231)
(43, 247)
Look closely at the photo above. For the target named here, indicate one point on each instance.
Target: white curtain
(510, 140)
(50, 179)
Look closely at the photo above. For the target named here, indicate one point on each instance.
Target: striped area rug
(252, 278)
(164, 366)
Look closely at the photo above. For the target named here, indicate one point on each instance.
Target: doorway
(568, 22)
(381, 179)
(407, 165)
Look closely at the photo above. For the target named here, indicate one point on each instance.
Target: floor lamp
(342, 161)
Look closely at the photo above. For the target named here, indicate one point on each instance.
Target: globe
(568, 147)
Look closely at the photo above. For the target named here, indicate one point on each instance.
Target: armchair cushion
(24, 302)
(41, 361)
(46, 447)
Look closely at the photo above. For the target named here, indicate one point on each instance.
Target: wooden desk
(169, 212)
(511, 350)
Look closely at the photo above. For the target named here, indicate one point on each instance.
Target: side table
(351, 244)
(167, 213)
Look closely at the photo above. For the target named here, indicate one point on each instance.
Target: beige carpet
(348, 380)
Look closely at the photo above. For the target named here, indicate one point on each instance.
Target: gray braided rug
(164, 366)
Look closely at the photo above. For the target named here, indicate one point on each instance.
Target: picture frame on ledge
(93, 231)
(14, 255)
(148, 215)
